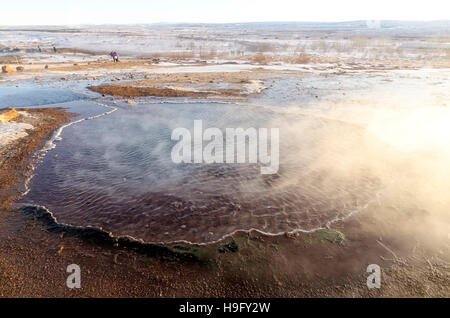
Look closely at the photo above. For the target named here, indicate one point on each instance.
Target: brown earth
(39, 67)
(33, 263)
(181, 85)
(234, 79)
(9, 59)
(132, 92)
(15, 157)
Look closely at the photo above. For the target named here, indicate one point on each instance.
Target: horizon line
(221, 23)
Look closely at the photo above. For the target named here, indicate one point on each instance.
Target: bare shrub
(301, 58)
(209, 55)
(261, 47)
(260, 59)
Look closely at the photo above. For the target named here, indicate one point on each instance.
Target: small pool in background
(31, 96)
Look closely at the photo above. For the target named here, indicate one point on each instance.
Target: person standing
(114, 56)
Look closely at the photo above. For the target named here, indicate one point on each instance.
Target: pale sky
(65, 12)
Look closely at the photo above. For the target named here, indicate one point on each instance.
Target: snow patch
(12, 131)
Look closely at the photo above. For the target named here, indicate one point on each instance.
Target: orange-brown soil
(33, 262)
(15, 157)
(178, 85)
(132, 92)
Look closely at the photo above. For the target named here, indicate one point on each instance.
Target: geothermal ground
(86, 176)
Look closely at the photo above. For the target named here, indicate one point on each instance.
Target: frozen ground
(12, 131)
(354, 41)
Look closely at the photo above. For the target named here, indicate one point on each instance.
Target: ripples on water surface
(116, 172)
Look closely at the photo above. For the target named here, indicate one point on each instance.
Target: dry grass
(208, 54)
(174, 55)
(261, 47)
(296, 58)
(10, 59)
(259, 59)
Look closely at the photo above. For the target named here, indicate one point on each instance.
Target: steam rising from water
(115, 172)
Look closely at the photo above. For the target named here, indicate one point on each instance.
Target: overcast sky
(47, 12)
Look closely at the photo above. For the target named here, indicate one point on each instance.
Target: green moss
(274, 246)
(232, 246)
(200, 253)
(333, 236)
(182, 247)
(204, 254)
